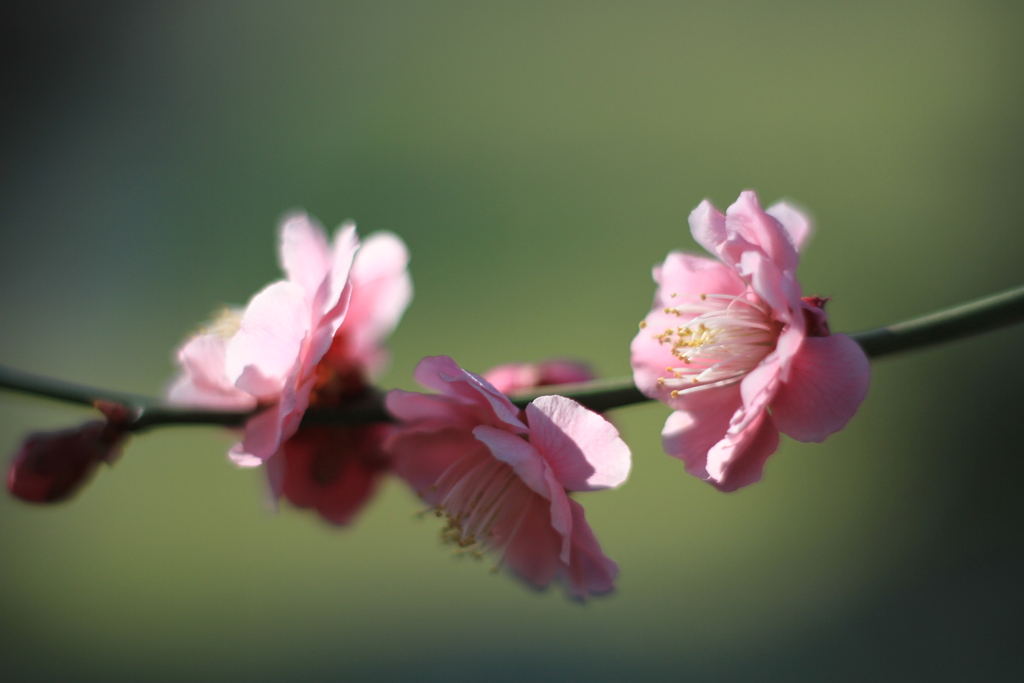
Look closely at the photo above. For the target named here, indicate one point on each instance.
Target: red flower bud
(51, 466)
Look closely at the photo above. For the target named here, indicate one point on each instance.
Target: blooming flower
(50, 467)
(736, 350)
(500, 475)
(314, 338)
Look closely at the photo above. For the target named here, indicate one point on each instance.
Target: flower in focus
(313, 339)
(501, 476)
(52, 466)
(512, 377)
(738, 352)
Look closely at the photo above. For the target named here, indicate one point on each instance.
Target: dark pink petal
(266, 348)
(738, 460)
(534, 471)
(334, 470)
(583, 449)
(795, 223)
(561, 513)
(422, 457)
(534, 549)
(411, 406)
(304, 255)
(828, 380)
(50, 467)
(443, 374)
(690, 434)
(589, 571)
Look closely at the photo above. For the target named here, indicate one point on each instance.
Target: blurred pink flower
(736, 350)
(50, 467)
(315, 338)
(501, 475)
(512, 377)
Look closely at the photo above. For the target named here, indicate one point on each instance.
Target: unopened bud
(51, 466)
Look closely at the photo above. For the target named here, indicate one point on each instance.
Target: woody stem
(969, 319)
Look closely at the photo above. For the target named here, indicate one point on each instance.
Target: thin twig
(973, 318)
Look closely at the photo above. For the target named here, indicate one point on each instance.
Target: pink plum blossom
(512, 377)
(738, 352)
(314, 338)
(501, 476)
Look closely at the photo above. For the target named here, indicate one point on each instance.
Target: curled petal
(444, 374)
(795, 222)
(738, 459)
(747, 219)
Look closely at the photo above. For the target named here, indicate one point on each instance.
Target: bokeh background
(538, 158)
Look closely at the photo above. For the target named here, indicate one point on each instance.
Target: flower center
(720, 339)
(484, 501)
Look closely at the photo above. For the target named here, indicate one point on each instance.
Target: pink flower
(512, 377)
(52, 466)
(314, 338)
(501, 475)
(736, 350)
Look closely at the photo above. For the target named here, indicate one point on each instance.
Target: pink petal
(205, 382)
(561, 513)
(381, 292)
(533, 552)
(443, 374)
(589, 571)
(422, 457)
(527, 463)
(707, 226)
(304, 256)
(512, 377)
(343, 252)
(583, 449)
(828, 380)
(412, 406)
(690, 434)
(261, 440)
(650, 357)
(796, 224)
(738, 460)
(778, 288)
(266, 348)
(683, 274)
(746, 219)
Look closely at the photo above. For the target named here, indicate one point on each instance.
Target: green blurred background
(538, 158)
